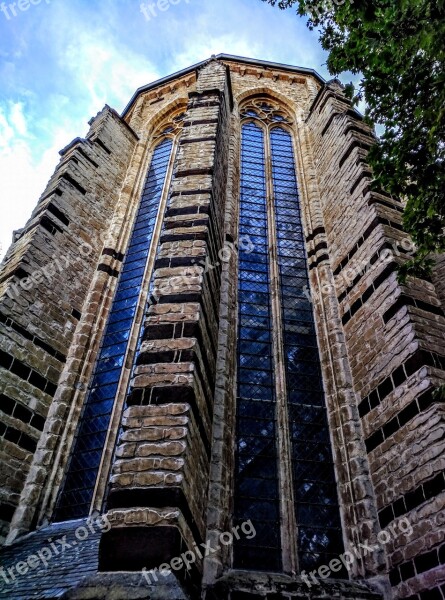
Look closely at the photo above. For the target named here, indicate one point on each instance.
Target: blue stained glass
(117, 337)
(102, 378)
(75, 497)
(257, 410)
(313, 466)
(255, 257)
(82, 461)
(110, 365)
(134, 285)
(256, 455)
(103, 392)
(137, 246)
(135, 271)
(98, 409)
(246, 266)
(253, 286)
(135, 256)
(114, 350)
(128, 303)
(253, 298)
(254, 321)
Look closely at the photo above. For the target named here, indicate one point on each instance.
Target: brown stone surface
(171, 438)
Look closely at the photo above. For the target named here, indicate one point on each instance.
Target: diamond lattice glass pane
(77, 491)
(314, 481)
(256, 459)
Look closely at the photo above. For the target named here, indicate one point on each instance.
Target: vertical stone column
(44, 282)
(158, 490)
(357, 503)
(222, 467)
(395, 340)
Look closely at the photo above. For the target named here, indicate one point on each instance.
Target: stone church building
(212, 384)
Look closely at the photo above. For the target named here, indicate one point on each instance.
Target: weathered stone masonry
(167, 472)
(45, 280)
(174, 381)
(395, 339)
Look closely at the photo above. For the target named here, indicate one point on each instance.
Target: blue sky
(62, 60)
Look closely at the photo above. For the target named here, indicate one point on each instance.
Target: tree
(398, 49)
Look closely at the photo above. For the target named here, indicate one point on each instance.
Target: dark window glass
(75, 498)
(316, 504)
(256, 495)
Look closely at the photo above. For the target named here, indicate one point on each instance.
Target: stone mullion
(289, 534)
(222, 466)
(116, 417)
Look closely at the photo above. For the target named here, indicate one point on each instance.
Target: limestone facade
(165, 478)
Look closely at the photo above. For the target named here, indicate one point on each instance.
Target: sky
(62, 60)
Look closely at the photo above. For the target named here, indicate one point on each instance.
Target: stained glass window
(257, 487)
(256, 494)
(77, 493)
(315, 494)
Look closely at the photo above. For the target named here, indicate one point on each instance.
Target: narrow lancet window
(78, 488)
(256, 461)
(315, 495)
(276, 325)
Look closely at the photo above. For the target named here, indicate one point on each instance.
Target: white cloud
(24, 172)
(23, 181)
(204, 46)
(99, 73)
(6, 130)
(102, 71)
(18, 118)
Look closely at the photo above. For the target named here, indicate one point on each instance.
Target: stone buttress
(158, 490)
(395, 342)
(44, 281)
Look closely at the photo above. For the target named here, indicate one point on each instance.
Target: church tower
(212, 383)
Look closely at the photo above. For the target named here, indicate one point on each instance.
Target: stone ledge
(131, 586)
(249, 585)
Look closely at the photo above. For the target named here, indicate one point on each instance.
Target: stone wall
(439, 278)
(44, 281)
(395, 340)
(382, 344)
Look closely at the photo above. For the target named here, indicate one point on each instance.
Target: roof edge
(223, 57)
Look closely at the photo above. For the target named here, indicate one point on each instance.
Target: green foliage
(398, 48)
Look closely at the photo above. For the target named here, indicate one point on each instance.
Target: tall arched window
(279, 375)
(77, 492)
(257, 490)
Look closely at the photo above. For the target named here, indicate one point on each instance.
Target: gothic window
(270, 215)
(78, 488)
(256, 465)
